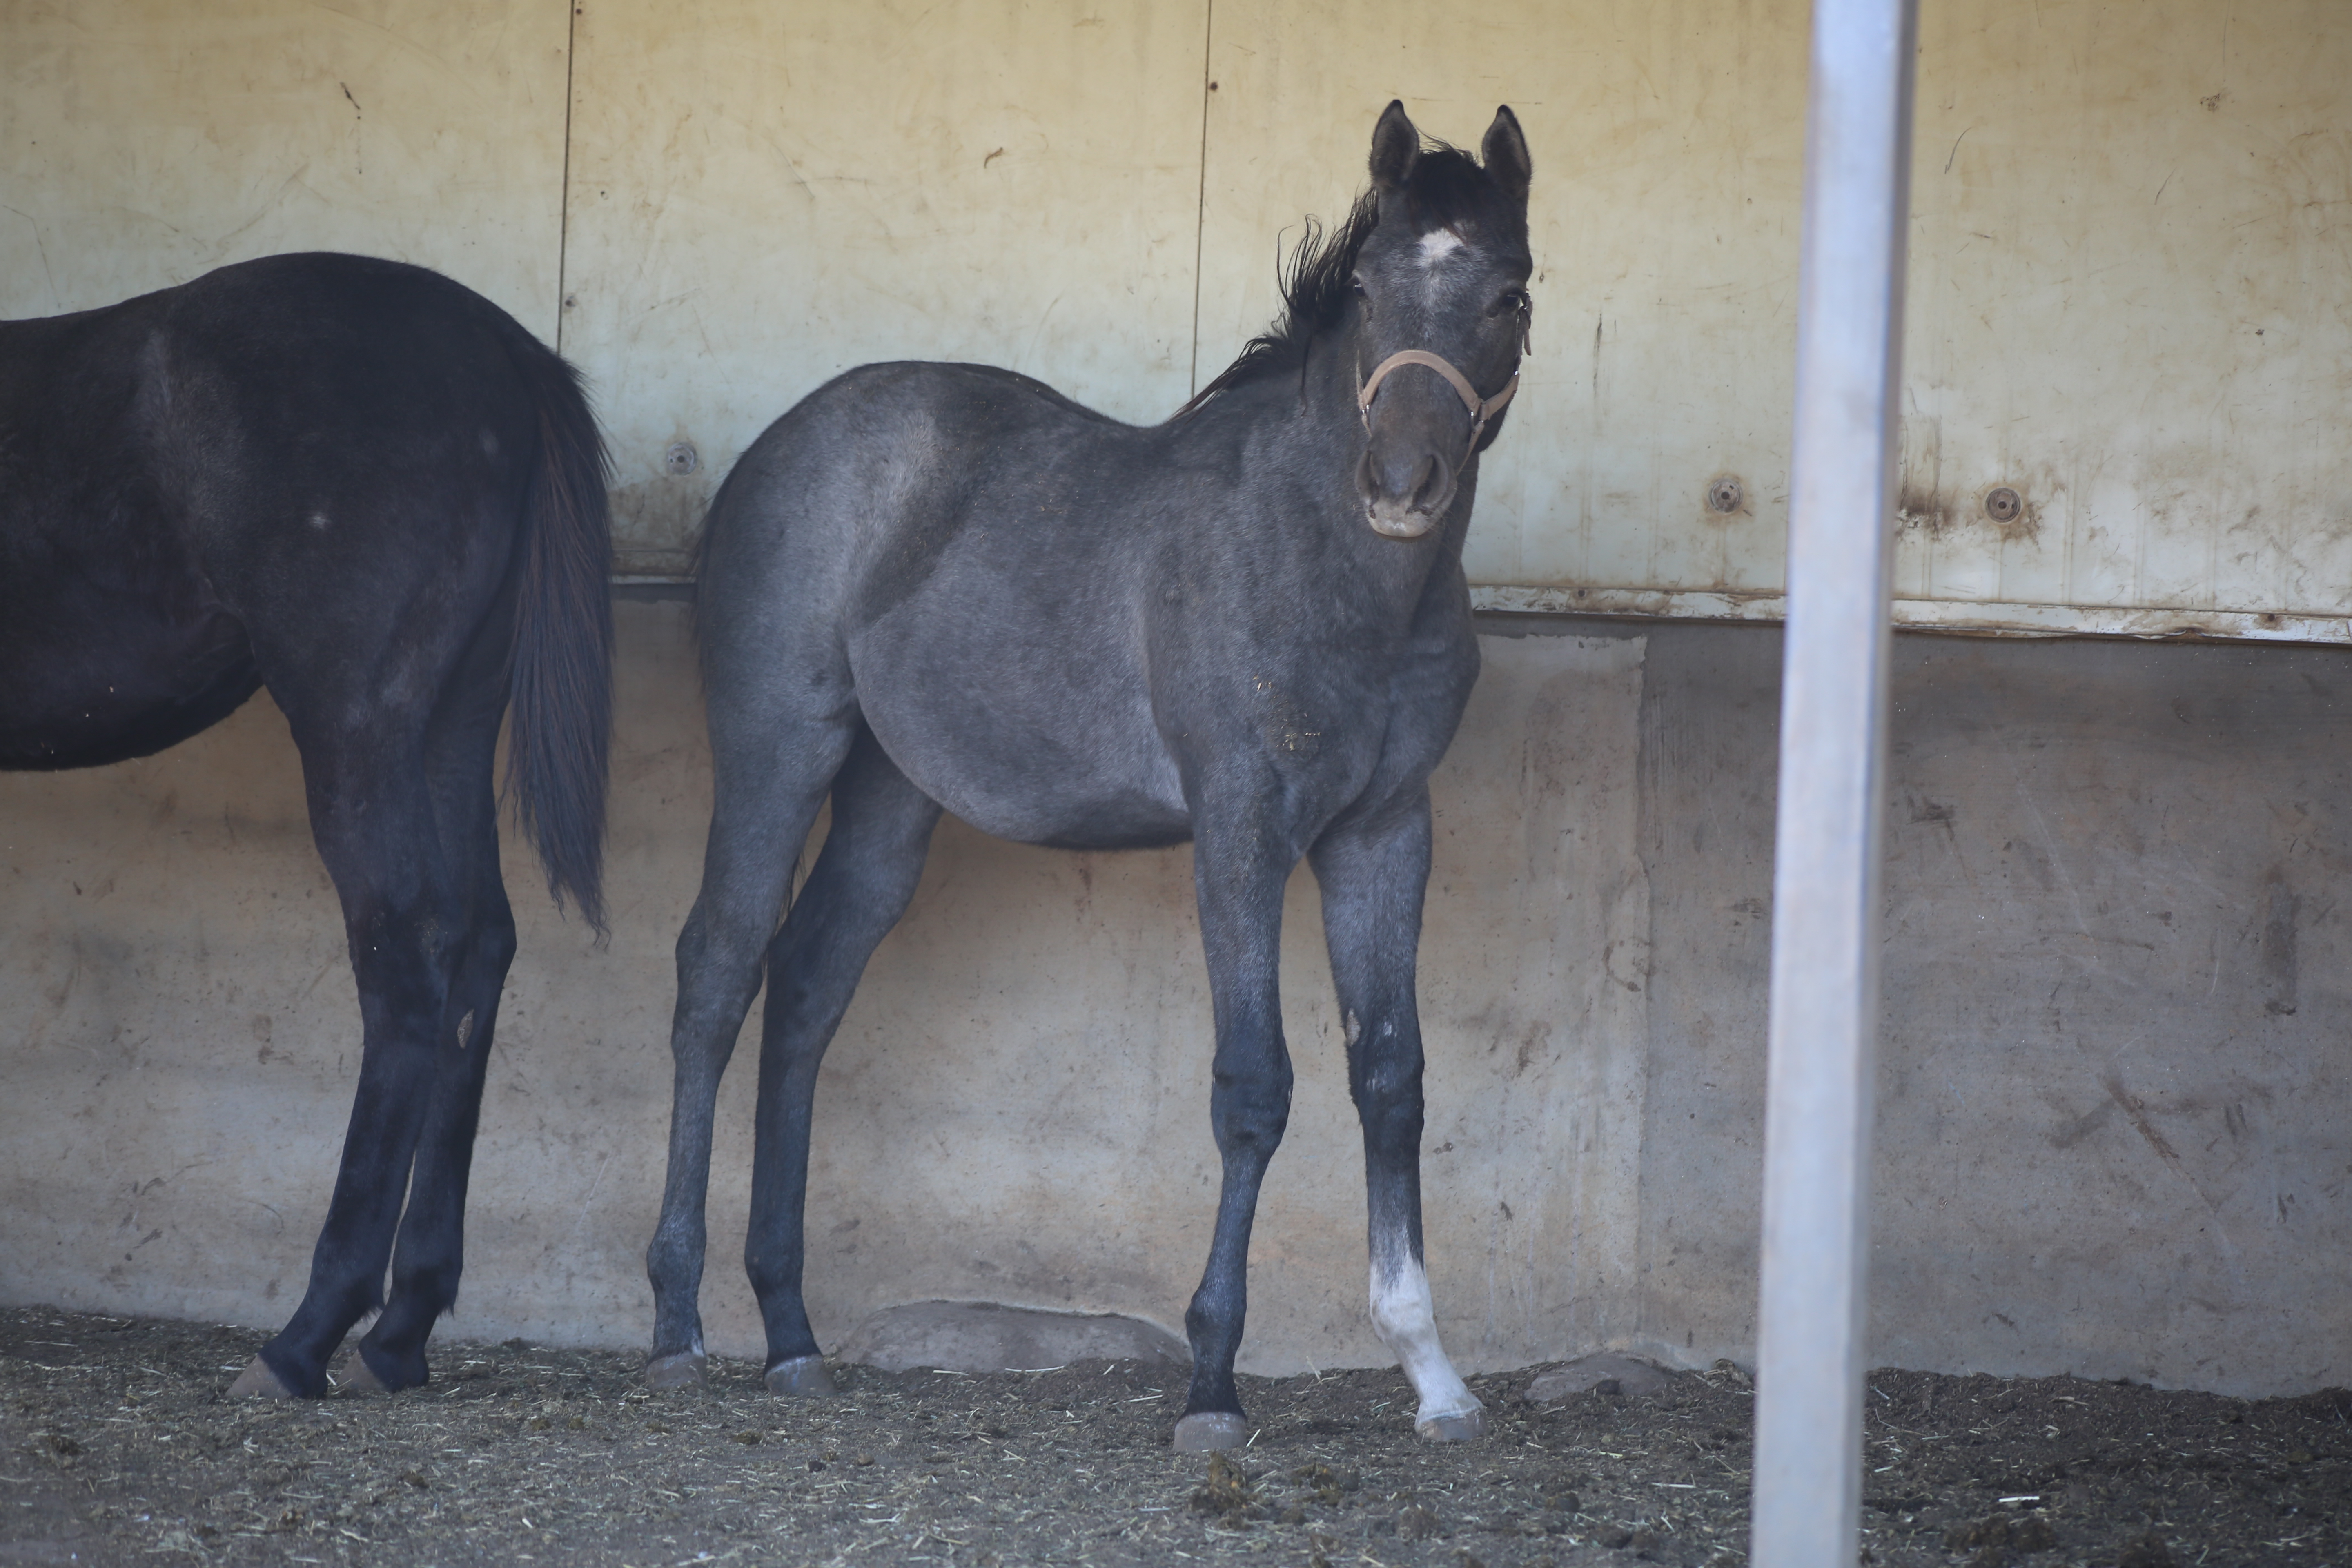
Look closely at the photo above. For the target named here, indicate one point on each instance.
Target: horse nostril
(1434, 483)
(1419, 483)
(1392, 475)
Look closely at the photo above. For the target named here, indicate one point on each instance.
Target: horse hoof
(257, 1382)
(1207, 1431)
(1466, 1427)
(683, 1369)
(352, 1378)
(803, 1377)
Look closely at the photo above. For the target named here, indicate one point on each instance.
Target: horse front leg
(1238, 874)
(1372, 876)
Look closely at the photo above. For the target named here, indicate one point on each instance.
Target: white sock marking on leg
(1403, 1317)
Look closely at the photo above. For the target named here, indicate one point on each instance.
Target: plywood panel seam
(1200, 202)
(563, 193)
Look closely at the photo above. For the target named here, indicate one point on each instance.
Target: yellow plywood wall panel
(2131, 290)
(2131, 297)
(763, 197)
(1667, 141)
(2131, 301)
(143, 142)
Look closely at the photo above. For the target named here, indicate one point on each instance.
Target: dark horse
(940, 586)
(370, 489)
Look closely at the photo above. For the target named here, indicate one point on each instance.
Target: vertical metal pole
(1814, 1294)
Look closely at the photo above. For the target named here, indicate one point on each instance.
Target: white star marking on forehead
(1437, 245)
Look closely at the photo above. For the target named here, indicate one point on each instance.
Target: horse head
(1441, 314)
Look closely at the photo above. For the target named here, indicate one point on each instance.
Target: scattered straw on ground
(116, 1447)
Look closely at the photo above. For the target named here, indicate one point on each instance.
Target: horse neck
(1300, 438)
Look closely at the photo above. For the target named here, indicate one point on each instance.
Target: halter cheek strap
(1481, 410)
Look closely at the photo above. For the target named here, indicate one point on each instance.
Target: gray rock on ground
(1603, 1370)
(983, 1336)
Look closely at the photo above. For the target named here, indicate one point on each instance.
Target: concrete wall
(1015, 1108)
(2116, 1130)
(2115, 1119)
(2131, 297)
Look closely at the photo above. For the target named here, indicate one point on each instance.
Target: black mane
(1446, 189)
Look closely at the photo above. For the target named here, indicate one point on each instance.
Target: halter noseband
(1481, 410)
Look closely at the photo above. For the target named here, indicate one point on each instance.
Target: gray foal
(946, 586)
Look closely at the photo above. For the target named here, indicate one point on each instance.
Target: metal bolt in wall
(2003, 504)
(1725, 495)
(681, 459)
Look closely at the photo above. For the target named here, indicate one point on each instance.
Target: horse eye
(1515, 303)
(1356, 287)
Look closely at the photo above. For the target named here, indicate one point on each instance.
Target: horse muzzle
(1406, 492)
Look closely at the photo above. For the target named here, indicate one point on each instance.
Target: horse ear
(1504, 154)
(1396, 147)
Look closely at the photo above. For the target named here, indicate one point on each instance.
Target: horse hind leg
(770, 781)
(429, 1256)
(864, 879)
(373, 818)
(1372, 878)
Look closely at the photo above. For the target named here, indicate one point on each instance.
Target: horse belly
(1102, 819)
(125, 686)
(1077, 784)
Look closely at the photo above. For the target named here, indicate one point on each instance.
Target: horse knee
(1249, 1111)
(1389, 1102)
(1391, 1121)
(886, 879)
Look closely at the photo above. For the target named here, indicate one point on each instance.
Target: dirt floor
(116, 1447)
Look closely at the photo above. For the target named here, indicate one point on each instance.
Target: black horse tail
(560, 690)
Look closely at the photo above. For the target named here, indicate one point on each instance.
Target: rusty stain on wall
(2131, 301)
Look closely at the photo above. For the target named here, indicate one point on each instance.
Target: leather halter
(1481, 410)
